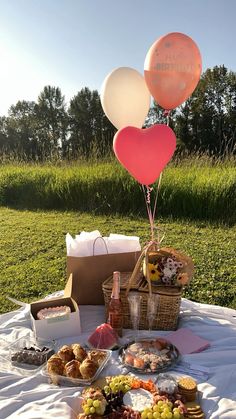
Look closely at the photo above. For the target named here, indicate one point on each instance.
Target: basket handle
(137, 268)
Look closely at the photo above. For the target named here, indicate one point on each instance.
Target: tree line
(48, 128)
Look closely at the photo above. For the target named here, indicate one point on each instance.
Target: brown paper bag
(90, 272)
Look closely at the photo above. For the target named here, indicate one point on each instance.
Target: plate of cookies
(75, 365)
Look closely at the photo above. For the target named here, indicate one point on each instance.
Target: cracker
(187, 383)
(196, 416)
(192, 406)
(194, 413)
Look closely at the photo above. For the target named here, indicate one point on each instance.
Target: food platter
(127, 396)
(63, 380)
(149, 355)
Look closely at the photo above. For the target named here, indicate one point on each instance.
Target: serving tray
(149, 355)
(62, 380)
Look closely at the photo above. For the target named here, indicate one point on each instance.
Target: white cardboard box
(57, 327)
(61, 326)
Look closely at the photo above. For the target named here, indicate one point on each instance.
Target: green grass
(33, 252)
(196, 189)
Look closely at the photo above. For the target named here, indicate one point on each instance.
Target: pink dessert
(50, 312)
(104, 337)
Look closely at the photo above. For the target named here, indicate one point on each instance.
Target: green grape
(107, 389)
(144, 415)
(96, 403)
(99, 410)
(122, 388)
(176, 409)
(116, 388)
(92, 410)
(150, 415)
(127, 387)
(176, 415)
(169, 415)
(156, 415)
(89, 402)
(170, 404)
(155, 408)
(163, 415)
(166, 409)
(87, 410)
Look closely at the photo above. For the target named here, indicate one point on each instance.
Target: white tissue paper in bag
(118, 242)
(92, 243)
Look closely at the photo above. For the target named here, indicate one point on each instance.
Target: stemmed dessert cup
(134, 300)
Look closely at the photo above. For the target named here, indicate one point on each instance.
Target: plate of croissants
(75, 365)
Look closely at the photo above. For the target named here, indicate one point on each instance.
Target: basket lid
(124, 280)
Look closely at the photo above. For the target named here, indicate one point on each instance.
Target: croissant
(88, 368)
(66, 353)
(97, 356)
(79, 352)
(55, 365)
(72, 369)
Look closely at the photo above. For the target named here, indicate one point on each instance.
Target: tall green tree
(52, 122)
(21, 129)
(90, 130)
(207, 119)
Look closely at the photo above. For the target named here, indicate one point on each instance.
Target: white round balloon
(125, 98)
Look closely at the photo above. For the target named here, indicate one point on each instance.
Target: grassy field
(33, 253)
(196, 189)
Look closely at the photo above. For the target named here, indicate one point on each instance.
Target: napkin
(92, 243)
(187, 342)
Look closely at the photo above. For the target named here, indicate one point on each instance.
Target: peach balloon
(125, 97)
(172, 69)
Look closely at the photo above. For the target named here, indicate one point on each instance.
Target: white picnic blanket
(32, 397)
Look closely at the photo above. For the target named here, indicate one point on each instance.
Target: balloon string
(157, 193)
(149, 190)
(166, 113)
(147, 197)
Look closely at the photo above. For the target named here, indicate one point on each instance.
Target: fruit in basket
(104, 337)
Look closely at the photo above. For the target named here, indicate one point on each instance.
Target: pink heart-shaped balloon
(145, 152)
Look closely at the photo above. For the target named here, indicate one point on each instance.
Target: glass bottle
(115, 313)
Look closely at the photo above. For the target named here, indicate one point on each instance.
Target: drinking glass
(134, 308)
(152, 306)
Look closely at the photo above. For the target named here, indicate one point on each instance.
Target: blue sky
(76, 43)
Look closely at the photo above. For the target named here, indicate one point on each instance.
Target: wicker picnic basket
(169, 295)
